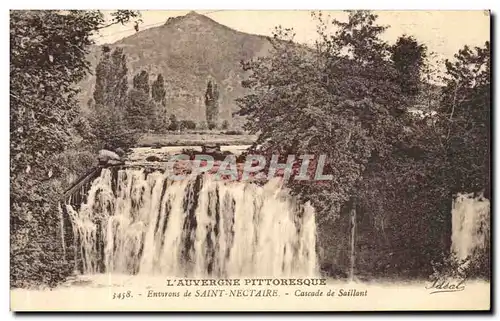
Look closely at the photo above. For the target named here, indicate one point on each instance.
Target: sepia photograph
(258, 160)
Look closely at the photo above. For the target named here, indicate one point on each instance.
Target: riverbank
(195, 138)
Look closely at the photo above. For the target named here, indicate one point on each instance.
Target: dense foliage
(351, 98)
(341, 99)
(111, 98)
(48, 58)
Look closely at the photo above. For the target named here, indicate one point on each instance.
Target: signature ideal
(444, 284)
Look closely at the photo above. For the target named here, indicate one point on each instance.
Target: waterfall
(61, 228)
(470, 225)
(144, 223)
(352, 254)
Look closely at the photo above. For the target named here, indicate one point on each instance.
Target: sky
(444, 32)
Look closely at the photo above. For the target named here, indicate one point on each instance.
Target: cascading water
(470, 225)
(133, 222)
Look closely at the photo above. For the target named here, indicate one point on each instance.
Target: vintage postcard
(250, 160)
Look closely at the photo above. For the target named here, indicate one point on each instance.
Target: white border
(199, 5)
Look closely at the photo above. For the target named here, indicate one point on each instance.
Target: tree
(113, 129)
(187, 124)
(158, 94)
(111, 79)
(408, 57)
(159, 119)
(343, 99)
(452, 157)
(202, 125)
(173, 123)
(297, 106)
(212, 104)
(142, 114)
(357, 39)
(47, 60)
(158, 91)
(109, 119)
(466, 110)
(429, 93)
(141, 81)
(140, 110)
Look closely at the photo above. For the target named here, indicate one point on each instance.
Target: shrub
(188, 124)
(475, 266)
(234, 132)
(202, 125)
(173, 123)
(110, 128)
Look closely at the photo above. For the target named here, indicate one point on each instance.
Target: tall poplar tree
(108, 118)
(212, 104)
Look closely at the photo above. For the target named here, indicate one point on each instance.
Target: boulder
(120, 152)
(153, 158)
(115, 162)
(105, 156)
(210, 149)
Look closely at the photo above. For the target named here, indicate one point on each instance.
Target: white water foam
(201, 227)
(470, 225)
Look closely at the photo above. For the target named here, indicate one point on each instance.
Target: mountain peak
(191, 15)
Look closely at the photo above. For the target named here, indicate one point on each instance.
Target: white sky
(444, 32)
